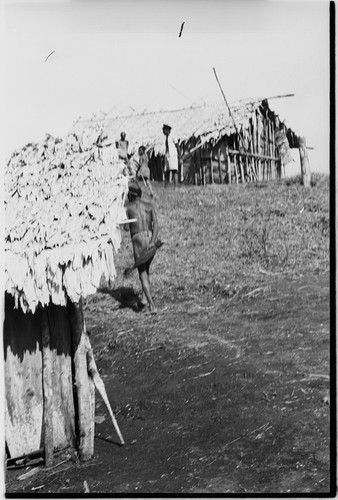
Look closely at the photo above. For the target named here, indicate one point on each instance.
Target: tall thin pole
(226, 102)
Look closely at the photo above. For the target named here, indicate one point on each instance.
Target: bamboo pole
(47, 372)
(226, 102)
(219, 165)
(98, 383)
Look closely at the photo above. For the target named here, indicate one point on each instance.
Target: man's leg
(144, 278)
(149, 186)
(175, 174)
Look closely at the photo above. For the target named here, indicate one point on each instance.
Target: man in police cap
(143, 234)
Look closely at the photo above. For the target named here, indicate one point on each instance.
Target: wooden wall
(238, 158)
(24, 388)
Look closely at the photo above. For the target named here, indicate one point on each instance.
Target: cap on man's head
(135, 190)
(166, 126)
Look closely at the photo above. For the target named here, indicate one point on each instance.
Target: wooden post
(219, 165)
(304, 163)
(253, 149)
(211, 168)
(193, 158)
(228, 164)
(268, 149)
(195, 169)
(248, 171)
(202, 167)
(47, 373)
(259, 169)
(273, 150)
(84, 389)
(235, 166)
(241, 167)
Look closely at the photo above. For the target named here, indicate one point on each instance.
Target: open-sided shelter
(246, 144)
(63, 205)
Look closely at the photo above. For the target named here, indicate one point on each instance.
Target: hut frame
(212, 148)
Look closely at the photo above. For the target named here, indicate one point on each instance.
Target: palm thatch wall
(64, 201)
(250, 144)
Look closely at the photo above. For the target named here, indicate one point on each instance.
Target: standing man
(143, 171)
(143, 234)
(122, 146)
(170, 157)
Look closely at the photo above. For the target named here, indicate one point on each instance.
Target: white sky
(116, 54)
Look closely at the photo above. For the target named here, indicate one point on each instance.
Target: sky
(124, 56)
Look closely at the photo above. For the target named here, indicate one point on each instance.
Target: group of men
(138, 166)
(144, 226)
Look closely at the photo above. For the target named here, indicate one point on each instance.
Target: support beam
(235, 166)
(304, 162)
(219, 164)
(47, 383)
(241, 167)
(259, 169)
(228, 164)
(211, 167)
(84, 389)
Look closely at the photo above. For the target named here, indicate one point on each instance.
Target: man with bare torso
(143, 234)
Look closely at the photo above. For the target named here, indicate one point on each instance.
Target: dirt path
(212, 395)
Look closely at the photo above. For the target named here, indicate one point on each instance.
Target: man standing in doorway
(170, 157)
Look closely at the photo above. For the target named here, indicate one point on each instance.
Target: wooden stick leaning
(147, 185)
(93, 371)
(226, 102)
(146, 255)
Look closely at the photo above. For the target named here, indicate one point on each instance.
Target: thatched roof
(206, 123)
(63, 204)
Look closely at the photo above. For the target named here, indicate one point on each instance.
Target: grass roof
(206, 123)
(63, 204)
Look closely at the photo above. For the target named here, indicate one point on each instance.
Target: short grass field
(226, 389)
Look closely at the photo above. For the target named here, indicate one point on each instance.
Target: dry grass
(220, 239)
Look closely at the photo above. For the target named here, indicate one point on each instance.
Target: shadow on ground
(125, 296)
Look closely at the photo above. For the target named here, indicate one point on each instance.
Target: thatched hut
(250, 143)
(63, 205)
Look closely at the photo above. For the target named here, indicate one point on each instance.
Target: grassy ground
(219, 238)
(226, 390)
